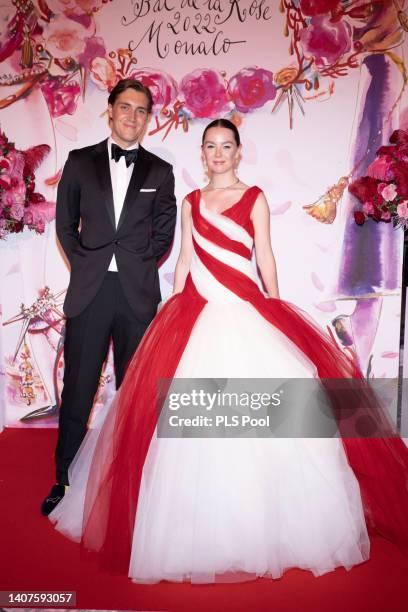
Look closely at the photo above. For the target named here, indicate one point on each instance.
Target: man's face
(129, 117)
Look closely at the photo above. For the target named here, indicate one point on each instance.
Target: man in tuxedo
(116, 214)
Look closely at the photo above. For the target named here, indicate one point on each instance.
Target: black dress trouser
(87, 338)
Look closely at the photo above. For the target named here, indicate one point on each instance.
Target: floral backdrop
(318, 90)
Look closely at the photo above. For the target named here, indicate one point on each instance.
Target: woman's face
(220, 152)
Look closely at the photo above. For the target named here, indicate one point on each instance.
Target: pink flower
(3, 223)
(389, 192)
(61, 98)
(65, 37)
(204, 93)
(402, 209)
(318, 7)
(326, 40)
(162, 85)
(15, 195)
(385, 215)
(103, 73)
(251, 88)
(368, 208)
(17, 211)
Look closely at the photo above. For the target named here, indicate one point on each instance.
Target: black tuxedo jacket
(85, 223)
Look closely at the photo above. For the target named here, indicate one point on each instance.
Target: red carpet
(35, 557)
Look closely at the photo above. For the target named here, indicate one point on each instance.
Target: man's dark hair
(125, 84)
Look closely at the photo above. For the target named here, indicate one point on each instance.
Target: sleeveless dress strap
(192, 197)
(241, 213)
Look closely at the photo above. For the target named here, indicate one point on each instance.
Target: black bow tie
(130, 155)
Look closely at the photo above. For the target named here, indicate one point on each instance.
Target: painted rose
(385, 215)
(163, 87)
(326, 40)
(103, 73)
(61, 97)
(204, 93)
(387, 191)
(318, 7)
(402, 209)
(65, 37)
(251, 88)
(3, 223)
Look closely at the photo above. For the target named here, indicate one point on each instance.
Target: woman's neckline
(226, 209)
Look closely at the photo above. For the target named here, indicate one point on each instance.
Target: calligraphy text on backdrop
(171, 27)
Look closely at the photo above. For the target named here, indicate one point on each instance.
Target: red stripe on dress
(212, 233)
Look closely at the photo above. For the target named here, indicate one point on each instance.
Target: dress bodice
(225, 239)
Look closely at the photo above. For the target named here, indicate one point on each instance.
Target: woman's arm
(260, 217)
(184, 258)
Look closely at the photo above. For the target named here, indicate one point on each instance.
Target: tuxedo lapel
(140, 171)
(101, 158)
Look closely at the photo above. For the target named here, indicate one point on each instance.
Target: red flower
(364, 188)
(359, 217)
(399, 137)
(386, 150)
(251, 88)
(399, 173)
(204, 93)
(318, 7)
(325, 40)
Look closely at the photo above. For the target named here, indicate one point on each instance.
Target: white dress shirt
(120, 178)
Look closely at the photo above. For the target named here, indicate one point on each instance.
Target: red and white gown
(225, 509)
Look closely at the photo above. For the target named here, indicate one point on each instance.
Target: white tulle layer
(234, 509)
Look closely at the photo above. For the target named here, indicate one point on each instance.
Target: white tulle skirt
(230, 509)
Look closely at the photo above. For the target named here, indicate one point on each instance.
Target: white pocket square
(147, 190)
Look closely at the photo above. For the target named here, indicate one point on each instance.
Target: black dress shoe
(55, 495)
